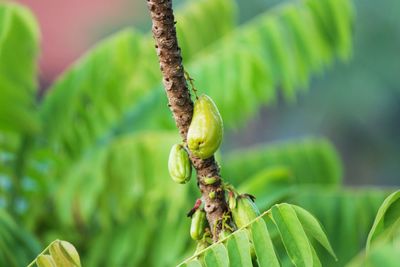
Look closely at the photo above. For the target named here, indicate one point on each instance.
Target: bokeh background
(354, 104)
(85, 161)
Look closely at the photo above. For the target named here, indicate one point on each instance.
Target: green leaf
(292, 234)
(266, 248)
(58, 256)
(70, 252)
(388, 256)
(45, 261)
(380, 253)
(121, 173)
(216, 256)
(388, 216)
(219, 13)
(312, 227)
(341, 15)
(238, 246)
(346, 215)
(193, 263)
(17, 246)
(309, 161)
(266, 256)
(19, 41)
(316, 260)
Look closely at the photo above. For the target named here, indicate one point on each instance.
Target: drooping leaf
(388, 216)
(266, 256)
(346, 215)
(193, 263)
(316, 260)
(378, 255)
(293, 236)
(239, 249)
(216, 256)
(312, 227)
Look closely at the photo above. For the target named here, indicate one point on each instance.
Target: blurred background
(354, 104)
(310, 101)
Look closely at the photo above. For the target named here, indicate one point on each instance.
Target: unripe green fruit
(179, 166)
(232, 200)
(244, 211)
(211, 195)
(210, 180)
(206, 129)
(198, 226)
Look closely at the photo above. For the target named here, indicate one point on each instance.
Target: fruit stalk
(181, 106)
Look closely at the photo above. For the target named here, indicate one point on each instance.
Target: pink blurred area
(69, 27)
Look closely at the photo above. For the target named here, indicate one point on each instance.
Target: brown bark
(181, 105)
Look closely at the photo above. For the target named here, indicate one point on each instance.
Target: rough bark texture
(181, 105)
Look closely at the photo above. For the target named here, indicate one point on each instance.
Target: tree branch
(181, 105)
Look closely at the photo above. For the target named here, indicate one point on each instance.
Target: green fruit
(198, 226)
(211, 195)
(64, 254)
(179, 166)
(244, 211)
(232, 200)
(206, 129)
(45, 261)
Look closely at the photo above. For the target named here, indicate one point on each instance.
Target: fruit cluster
(203, 140)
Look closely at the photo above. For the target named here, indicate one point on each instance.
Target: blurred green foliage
(88, 162)
(356, 104)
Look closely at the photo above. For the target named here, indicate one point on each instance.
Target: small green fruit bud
(245, 211)
(231, 200)
(209, 180)
(64, 254)
(199, 221)
(179, 165)
(211, 195)
(45, 261)
(206, 129)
